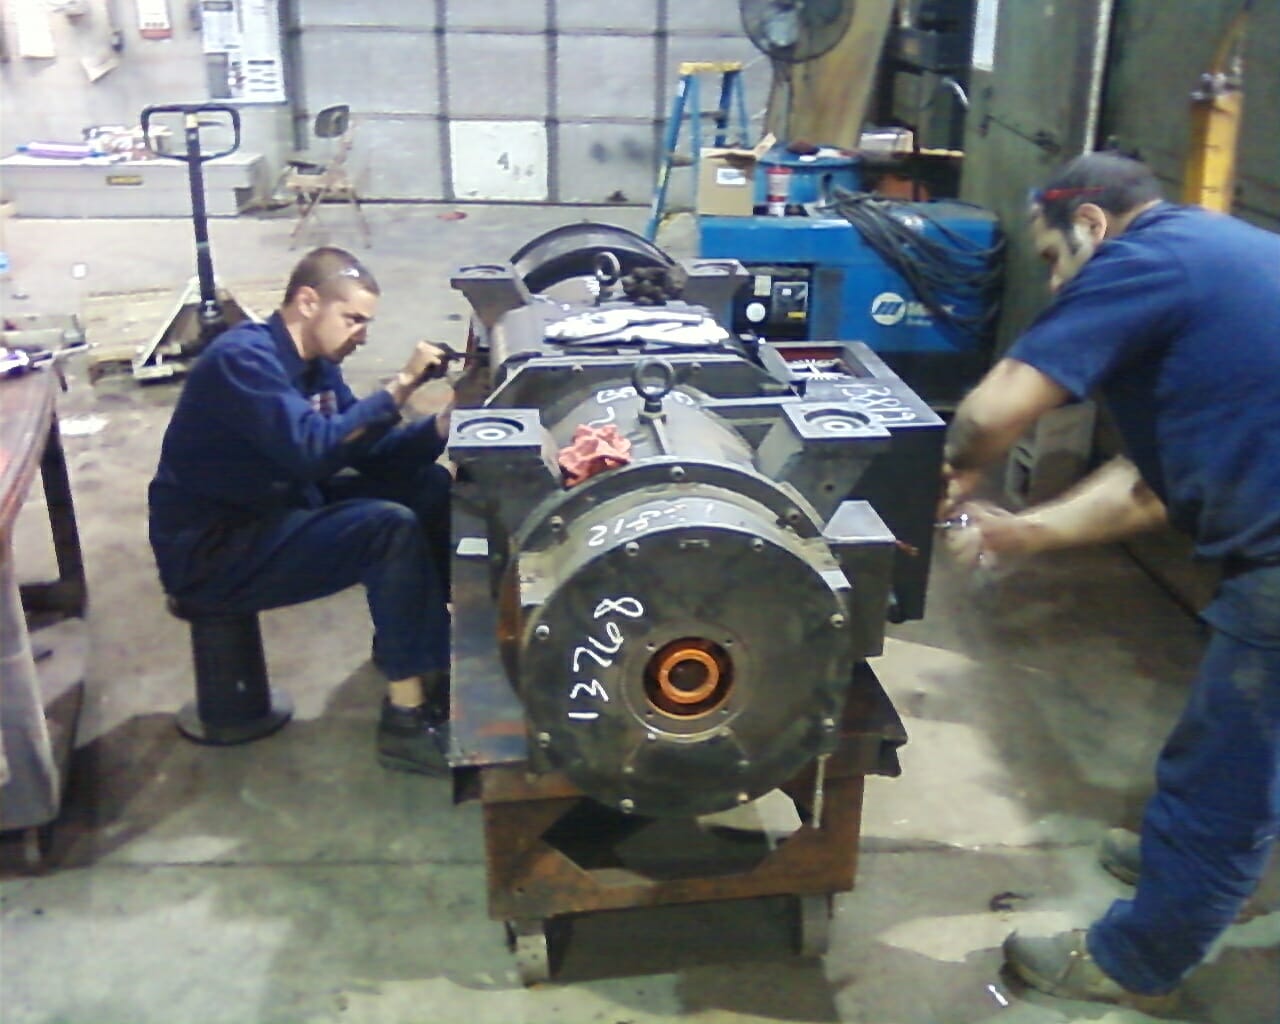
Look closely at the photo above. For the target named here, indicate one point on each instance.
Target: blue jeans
(390, 534)
(1208, 830)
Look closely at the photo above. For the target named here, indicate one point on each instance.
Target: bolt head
(677, 473)
(542, 632)
(631, 548)
(544, 739)
(626, 805)
(837, 621)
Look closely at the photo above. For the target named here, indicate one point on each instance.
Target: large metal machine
(684, 625)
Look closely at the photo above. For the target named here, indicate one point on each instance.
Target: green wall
(1159, 48)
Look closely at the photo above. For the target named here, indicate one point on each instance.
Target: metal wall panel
(1158, 55)
(368, 12)
(493, 75)
(1034, 111)
(606, 77)
(377, 139)
(599, 83)
(405, 69)
(634, 16)
(601, 162)
(706, 16)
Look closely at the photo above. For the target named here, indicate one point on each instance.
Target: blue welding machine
(919, 282)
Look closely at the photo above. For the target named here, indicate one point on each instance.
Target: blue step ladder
(732, 102)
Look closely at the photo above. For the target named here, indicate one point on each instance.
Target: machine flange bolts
(837, 621)
(544, 739)
(626, 805)
(828, 724)
(744, 797)
(631, 548)
(677, 473)
(542, 632)
(757, 544)
(556, 523)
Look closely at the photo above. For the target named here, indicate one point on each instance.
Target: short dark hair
(329, 270)
(1116, 183)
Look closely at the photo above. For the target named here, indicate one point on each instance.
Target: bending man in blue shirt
(249, 509)
(1170, 313)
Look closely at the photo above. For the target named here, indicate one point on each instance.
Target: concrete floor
(294, 880)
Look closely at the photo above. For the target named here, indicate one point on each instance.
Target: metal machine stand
(551, 853)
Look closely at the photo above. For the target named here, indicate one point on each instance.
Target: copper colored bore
(688, 677)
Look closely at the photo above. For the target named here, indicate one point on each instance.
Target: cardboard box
(727, 179)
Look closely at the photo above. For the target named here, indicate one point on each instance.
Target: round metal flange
(227, 734)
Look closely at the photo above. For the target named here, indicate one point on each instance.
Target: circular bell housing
(679, 652)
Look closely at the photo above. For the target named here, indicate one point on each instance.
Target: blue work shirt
(1176, 323)
(255, 431)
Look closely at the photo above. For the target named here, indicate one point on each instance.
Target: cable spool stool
(235, 702)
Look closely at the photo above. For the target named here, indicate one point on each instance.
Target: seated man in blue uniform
(1171, 314)
(254, 504)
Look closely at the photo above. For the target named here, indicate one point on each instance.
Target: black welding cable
(950, 269)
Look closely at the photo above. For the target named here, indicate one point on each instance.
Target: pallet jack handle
(196, 116)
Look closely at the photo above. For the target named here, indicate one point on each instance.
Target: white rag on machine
(666, 327)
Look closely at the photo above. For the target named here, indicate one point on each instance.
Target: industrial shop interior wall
(452, 99)
(1067, 78)
(68, 65)
(1157, 53)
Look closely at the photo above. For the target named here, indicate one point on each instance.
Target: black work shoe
(1062, 966)
(1120, 853)
(413, 739)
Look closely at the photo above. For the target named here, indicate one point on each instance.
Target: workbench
(41, 683)
(95, 187)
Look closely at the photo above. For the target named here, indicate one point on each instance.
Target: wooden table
(36, 738)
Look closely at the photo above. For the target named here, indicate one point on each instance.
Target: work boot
(414, 739)
(1120, 853)
(1062, 966)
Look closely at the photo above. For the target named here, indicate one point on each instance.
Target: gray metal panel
(605, 77)
(400, 13)
(497, 75)
(1044, 58)
(709, 16)
(1158, 53)
(375, 72)
(497, 14)
(635, 15)
(399, 158)
(597, 160)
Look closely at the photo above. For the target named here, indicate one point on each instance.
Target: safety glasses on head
(1040, 196)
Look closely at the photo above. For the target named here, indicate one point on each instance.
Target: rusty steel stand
(536, 880)
(531, 882)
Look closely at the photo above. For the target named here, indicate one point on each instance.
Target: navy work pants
(390, 534)
(1208, 830)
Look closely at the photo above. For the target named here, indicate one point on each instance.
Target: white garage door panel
(499, 160)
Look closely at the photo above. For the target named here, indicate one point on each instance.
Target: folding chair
(313, 183)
